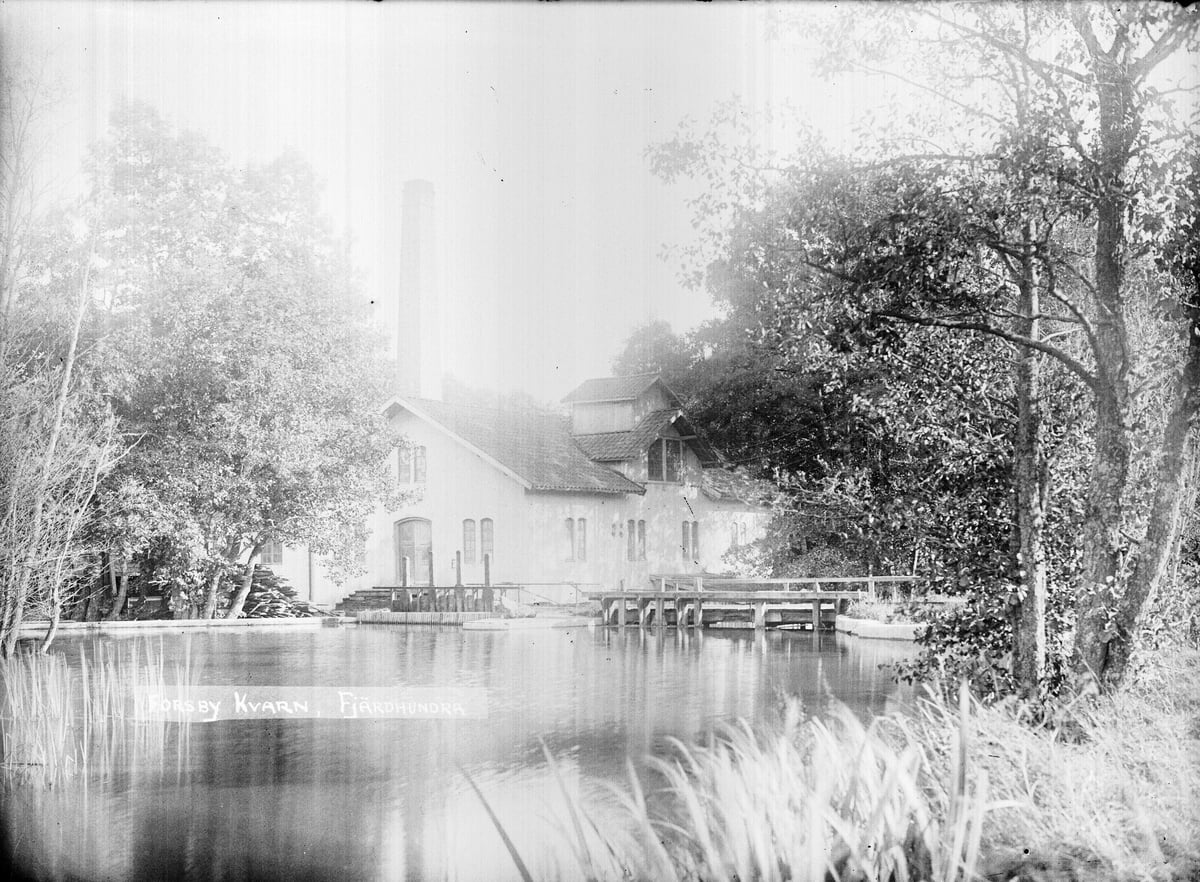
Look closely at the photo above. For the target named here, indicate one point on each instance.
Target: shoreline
(37, 630)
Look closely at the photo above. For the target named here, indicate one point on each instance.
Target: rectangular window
(696, 541)
(654, 461)
(664, 460)
(674, 458)
(641, 540)
(631, 541)
(686, 543)
(570, 538)
(581, 539)
(468, 541)
(487, 543)
(271, 554)
(411, 465)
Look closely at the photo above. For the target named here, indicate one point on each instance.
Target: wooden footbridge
(696, 601)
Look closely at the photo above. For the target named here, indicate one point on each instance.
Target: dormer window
(664, 460)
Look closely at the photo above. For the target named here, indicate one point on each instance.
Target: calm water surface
(384, 799)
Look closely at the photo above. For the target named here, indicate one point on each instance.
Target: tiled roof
(612, 388)
(534, 444)
(615, 446)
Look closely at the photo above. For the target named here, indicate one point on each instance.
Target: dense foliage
(224, 359)
(971, 349)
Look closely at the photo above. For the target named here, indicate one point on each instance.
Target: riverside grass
(59, 722)
(951, 790)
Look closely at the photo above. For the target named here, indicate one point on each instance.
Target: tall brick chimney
(418, 348)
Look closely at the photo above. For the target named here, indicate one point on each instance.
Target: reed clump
(59, 720)
(949, 791)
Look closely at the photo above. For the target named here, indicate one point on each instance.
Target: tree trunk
(15, 608)
(239, 599)
(52, 631)
(1029, 633)
(1162, 530)
(179, 610)
(210, 594)
(119, 603)
(1110, 466)
(1101, 540)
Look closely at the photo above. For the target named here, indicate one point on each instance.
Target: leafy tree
(238, 361)
(1027, 220)
(55, 438)
(653, 348)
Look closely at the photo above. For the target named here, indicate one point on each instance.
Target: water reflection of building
(358, 799)
(620, 488)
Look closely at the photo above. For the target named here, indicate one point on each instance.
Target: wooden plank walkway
(387, 617)
(423, 598)
(696, 601)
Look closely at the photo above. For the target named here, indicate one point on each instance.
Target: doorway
(414, 540)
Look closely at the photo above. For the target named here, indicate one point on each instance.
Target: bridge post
(622, 613)
(760, 615)
(659, 609)
(816, 614)
(698, 613)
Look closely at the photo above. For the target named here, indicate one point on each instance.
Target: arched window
(691, 540)
(570, 538)
(487, 539)
(631, 540)
(581, 539)
(468, 541)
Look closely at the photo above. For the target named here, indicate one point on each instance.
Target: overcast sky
(531, 121)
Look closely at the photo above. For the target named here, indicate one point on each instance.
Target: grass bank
(951, 791)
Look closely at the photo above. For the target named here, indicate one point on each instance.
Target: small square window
(271, 554)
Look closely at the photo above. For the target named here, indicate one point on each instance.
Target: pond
(387, 799)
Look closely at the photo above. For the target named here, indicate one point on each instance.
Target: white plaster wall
(531, 538)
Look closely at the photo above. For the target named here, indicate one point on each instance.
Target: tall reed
(58, 720)
(949, 791)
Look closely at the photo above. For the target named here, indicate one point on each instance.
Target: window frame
(664, 460)
(470, 541)
(275, 558)
(411, 464)
(487, 539)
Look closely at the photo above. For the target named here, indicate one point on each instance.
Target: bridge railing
(870, 585)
